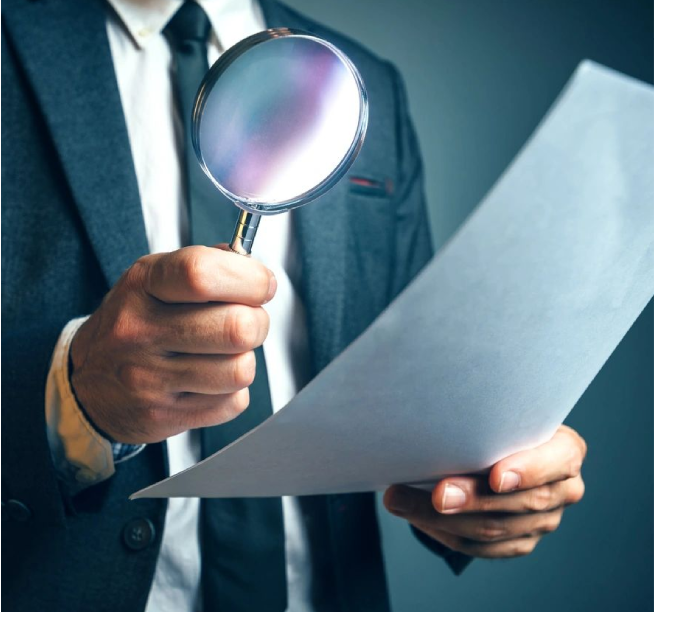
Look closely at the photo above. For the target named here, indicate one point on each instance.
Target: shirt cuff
(82, 456)
(124, 451)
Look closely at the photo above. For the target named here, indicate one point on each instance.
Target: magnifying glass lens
(278, 120)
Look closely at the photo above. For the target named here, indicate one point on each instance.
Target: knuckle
(132, 377)
(539, 499)
(262, 282)
(195, 270)
(240, 401)
(235, 404)
(264, 324)
(154, 415)
(241, 329)
(576, 491)
(575, 468)
(575, 461)
(519, 548)
(551, 523)
(244, 370)
(138, 271)
(490, 529)
(125, 328)
(578, 439)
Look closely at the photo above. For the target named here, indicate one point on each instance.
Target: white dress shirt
(142, 61)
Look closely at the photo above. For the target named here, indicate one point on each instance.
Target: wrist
(88, 397)
(82, 457)
(121, 451)
(81, 406)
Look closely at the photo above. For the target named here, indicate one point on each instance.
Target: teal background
(480, 75)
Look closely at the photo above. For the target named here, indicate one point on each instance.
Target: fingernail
(509, 481)
(454, 497)
(272, 290)
(400, 502)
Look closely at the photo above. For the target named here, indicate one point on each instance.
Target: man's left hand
(503, 514)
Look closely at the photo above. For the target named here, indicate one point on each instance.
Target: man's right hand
(171, 346)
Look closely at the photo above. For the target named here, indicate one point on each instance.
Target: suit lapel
(64, 49)
(323, 236)
(321, 229)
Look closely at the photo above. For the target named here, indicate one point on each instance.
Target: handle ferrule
(244, 232)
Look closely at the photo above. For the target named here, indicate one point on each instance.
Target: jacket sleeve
(50, 451)
(82, 455)
(30, 486)
(414, 249)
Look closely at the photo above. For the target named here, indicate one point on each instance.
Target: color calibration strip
(663, 187)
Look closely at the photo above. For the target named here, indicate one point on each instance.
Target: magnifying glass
(278, 120)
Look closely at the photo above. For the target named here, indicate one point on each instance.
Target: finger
(574, 490)
(198, 274)
(211, 329)
(497, 527)
(470, 495)
(409, 502)
(473, 494)
(490, 550)
(196, 410)
(556, 460)
(209, 374)
(185, 412)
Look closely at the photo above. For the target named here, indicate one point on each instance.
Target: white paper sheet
(491, 346)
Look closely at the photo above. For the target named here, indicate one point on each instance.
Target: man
(96, 175)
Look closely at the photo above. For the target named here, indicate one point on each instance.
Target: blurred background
(480, 76)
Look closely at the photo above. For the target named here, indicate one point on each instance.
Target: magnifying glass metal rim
(256, 206)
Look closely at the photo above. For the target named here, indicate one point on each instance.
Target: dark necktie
(242, 540)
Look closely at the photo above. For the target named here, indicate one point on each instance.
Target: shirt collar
(230, 19)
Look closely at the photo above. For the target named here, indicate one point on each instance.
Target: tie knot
(189, 23)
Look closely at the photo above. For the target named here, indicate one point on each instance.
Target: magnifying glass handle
(244, 232)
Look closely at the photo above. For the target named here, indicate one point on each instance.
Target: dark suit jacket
(72, 223)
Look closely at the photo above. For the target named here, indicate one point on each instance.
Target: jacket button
(139, 534)
(15, 510)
